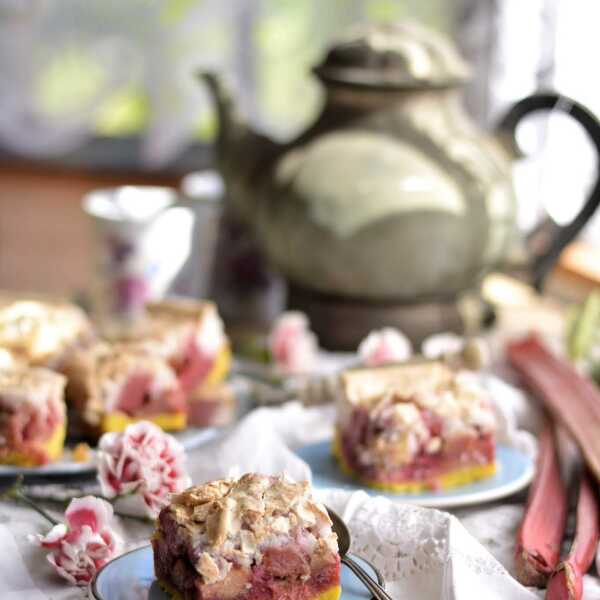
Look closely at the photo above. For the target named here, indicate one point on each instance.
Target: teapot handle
(548, 239)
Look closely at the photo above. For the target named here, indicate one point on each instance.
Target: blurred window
(76, 68)
(72, 70)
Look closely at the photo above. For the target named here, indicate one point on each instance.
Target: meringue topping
(400, 400)
(39, 331)
(233, 521)
(171, 323)
(30, 385)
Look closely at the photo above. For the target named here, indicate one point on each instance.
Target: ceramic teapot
(393, 198)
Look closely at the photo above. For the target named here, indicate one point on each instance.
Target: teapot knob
(547, 241)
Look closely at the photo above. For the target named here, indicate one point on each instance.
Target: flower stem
(146, 520)
(66, 501)
(19, 496)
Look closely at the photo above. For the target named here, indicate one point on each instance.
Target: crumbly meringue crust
(30, 385)
(232, 521)
(410, 409)
(38, 332)
(98, 373)
(170, 321)
(456, 397)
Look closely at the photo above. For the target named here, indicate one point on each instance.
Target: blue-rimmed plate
(131, 577)
(515, 471)
(190, 438)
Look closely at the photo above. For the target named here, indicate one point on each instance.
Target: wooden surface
(577, 273)
(45, 238)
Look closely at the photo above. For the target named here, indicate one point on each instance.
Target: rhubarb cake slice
(111, 385)
(414, 427)
(43, 333)
(254, 538)
(32, 416)
(190, 335)
(212, 406)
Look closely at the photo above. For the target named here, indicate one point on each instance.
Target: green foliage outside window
(288, 37)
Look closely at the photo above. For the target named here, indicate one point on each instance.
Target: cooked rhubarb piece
(32, 416)
(189, 334)
(212, 406)
(572, 398)
(543, 526)
(43, 333)
(112, 385)
(566, 582)
(255, 538)
(406, 428)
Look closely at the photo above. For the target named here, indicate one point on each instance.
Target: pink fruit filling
(25, 429)
(285, 572)
(208, 413)
(138, 398)
(192, 366)
(459, 451)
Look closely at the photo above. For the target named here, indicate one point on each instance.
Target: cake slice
(43, 333)
(254, 538)
(212, 406)
(32, 416)
(414, 427)
(111, 385)
(189, 334)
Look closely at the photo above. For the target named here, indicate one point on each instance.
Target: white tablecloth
(424, 553)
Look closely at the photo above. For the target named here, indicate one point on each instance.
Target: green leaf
(126, 111)
(174, 10)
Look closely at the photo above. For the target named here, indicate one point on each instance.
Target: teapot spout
(230, 125)
(242, 154)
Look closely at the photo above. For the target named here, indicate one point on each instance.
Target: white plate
(515, 472)
(190, 438)
(57, 469)
(131, 575)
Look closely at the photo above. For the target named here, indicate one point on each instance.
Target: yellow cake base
(220, 368)
(333, 593)
(118, 421)
(53, 447)
(169, 589)
(452, 479)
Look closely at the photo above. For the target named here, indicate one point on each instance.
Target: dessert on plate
(42, 333)
(212, 405)
(189, 334)
(414, 427)
(111, 385)
(32, 416)
(254, 538)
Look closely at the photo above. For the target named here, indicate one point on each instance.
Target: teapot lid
(393, 56)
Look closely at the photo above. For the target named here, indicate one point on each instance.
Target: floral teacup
(142, 240)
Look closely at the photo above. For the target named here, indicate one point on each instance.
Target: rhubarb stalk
(566, 582)
(573, 400)
(543, 525)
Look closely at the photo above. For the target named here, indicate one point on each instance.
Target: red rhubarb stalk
(566, 582)
(540, 535)
(573, 400)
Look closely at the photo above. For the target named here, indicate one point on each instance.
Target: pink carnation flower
(292, 344)
(85, 543)
(440, 344)
(384, 346)
(143, 463)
